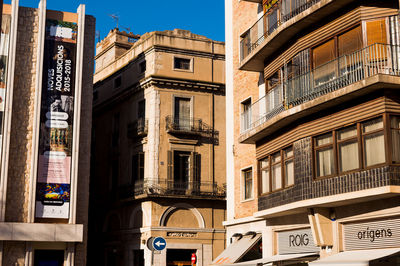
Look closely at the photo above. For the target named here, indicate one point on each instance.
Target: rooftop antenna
(128, 29)
(115, 18)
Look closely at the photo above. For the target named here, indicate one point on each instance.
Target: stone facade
(139, 187)
(18, 247)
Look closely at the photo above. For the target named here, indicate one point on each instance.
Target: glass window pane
(276, 157)
(372, 125)
(323, 53)
(325, 162)
(265, 181)
(374, 149)
(288, 152)
(264, 163)
(395, 145)
(324, 139)
(395, 121)
(248, 184)
(276, 177)
(289, 172)
(350, 41)
(348, 156)
(376, 32)
(347, 133)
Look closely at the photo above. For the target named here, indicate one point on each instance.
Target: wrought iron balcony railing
(138, 128)
(165, 187)
(187, 125)
(336, 74)
(270, 22)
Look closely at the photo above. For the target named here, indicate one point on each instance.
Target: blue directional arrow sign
(159, 243)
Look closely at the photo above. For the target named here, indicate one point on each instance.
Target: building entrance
(180, 257)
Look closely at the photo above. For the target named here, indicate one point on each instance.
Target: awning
(236, 250)
(355, 257)
(275, 258)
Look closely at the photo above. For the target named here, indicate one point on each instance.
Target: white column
(230, 166)
(77, 112)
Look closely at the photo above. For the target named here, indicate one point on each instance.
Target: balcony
(302, 90)
(138, 128)
(188, 125)
(166, 187)
(278, 26)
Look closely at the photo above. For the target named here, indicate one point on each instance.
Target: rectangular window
(48, 258)
(373, 142)
(117, 82)
(355, 147)
(182, 164)
(137, 168)
(265, 184)
(141, 109)
(348, 149)
(182, 63)
(289, 166)
(246, 115)
(350, 41)
(395, 130)
(277, 171)
(324, 155)
(376, 32)
(248, 183)
(182, 113)
(142, 66)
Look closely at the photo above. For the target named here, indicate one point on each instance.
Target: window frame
(243, 171)
(361, 148)
(191, 63)
(282, 162)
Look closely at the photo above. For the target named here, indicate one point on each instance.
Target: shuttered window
(324, 53)
(350, 41)
(376, 31)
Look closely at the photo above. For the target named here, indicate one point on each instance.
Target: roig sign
(296, 241)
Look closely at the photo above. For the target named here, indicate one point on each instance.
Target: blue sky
(204, 17)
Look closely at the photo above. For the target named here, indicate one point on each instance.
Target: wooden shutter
(134, 169)
(170, 165)
(141, 165)
(196, 159)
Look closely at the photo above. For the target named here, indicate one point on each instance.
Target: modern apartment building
(158, 149)
(46, 81)
(312, 96)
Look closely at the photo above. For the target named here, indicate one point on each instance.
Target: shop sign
(372, 234)
(181, 234)
(296, 241)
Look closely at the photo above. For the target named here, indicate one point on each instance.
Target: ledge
(352, 91)
(330, 201)
(41, 232)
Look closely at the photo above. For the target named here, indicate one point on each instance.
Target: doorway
(180, 257)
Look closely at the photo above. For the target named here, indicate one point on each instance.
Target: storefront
(291, 247)
(373, 242)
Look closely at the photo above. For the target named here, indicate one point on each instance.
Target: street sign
(159, 243)
(193, 258)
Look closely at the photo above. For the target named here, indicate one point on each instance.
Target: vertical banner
(4, 47)
(56, 120)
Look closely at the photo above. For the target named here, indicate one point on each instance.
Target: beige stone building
(158, 149)
(45, 109)
(313, 158)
